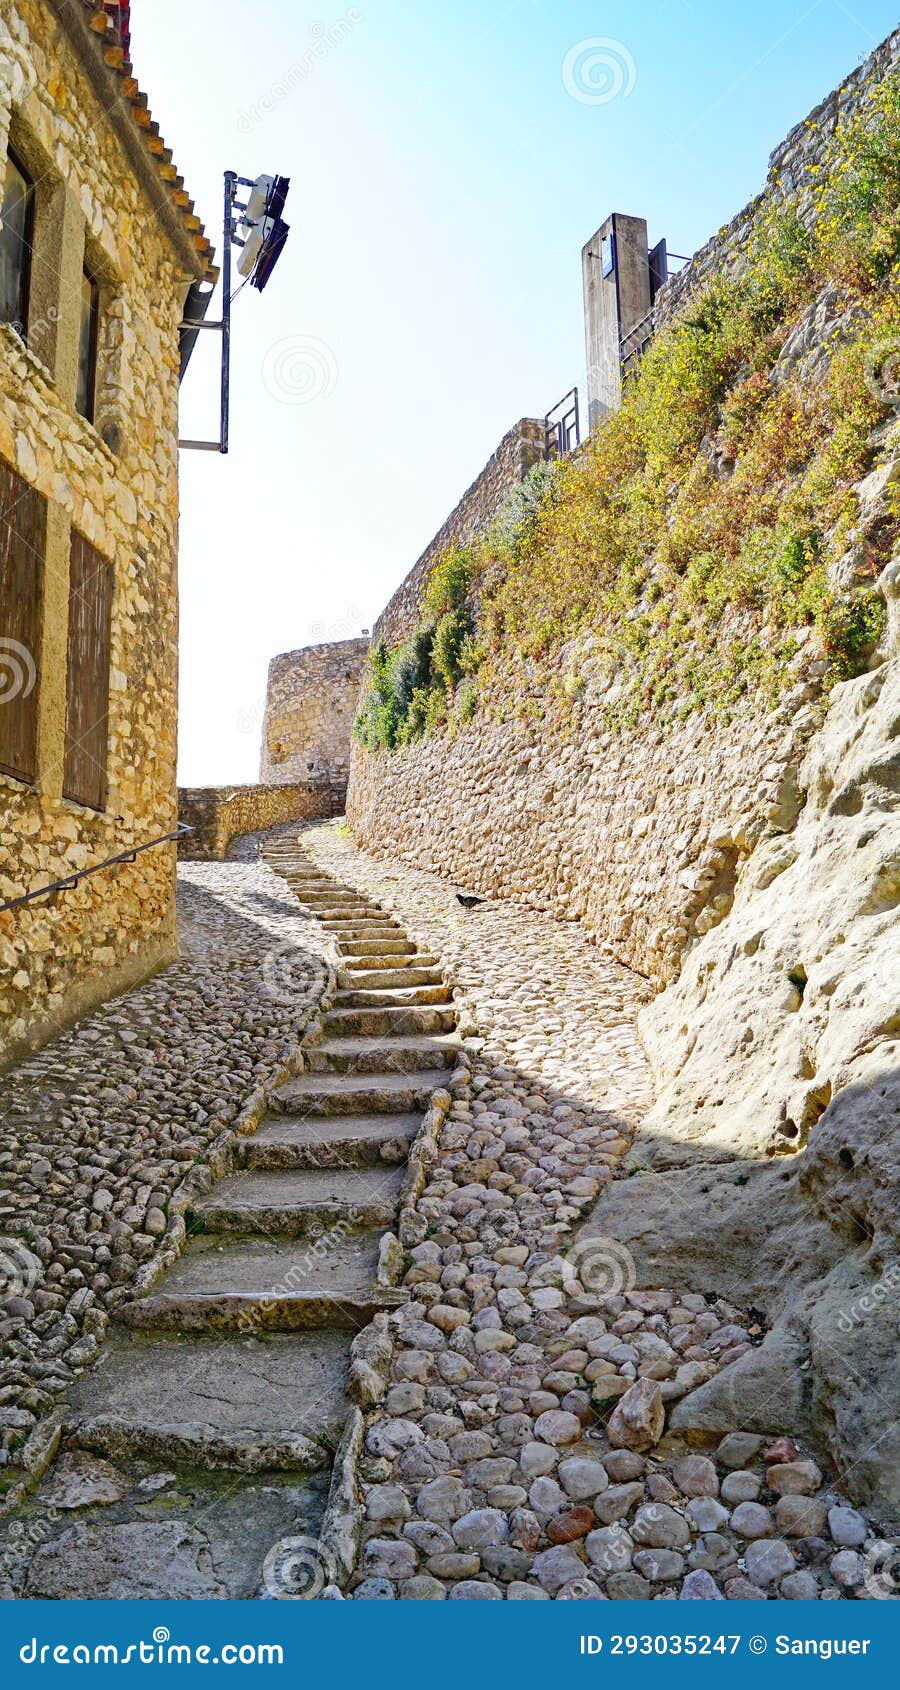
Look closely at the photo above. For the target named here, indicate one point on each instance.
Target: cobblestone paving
(97, 1131)
(537, 990)
(520, 1451)
(517, 1447)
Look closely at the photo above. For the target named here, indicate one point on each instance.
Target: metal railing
(562, 425)
(71, 881)
(634, 344)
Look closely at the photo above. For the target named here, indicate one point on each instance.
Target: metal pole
(230, 196)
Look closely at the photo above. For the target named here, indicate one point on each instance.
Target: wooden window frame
(19, 324)
(86, 403)
(86, 762)
(22, 567)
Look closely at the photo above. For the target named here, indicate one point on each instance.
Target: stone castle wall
(640, 833)
(116, 484)
(310, 704)
(519, 450)
(219, 814)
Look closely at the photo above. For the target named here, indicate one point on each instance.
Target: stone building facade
(99, 248)
(310, 704)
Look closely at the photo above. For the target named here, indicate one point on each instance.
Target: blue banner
(383, 1644)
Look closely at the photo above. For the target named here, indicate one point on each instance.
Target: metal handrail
(72, 880)
(638, 335)
(562, 424)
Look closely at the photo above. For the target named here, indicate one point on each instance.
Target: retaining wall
(219, 814)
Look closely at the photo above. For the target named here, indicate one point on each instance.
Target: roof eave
(109, 74)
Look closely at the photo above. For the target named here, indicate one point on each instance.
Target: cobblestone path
(99, 1129)
(521, 1449)
(234, 1362)
(387, 1360)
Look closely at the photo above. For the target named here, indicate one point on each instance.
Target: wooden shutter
(22, 532)
(91, 581)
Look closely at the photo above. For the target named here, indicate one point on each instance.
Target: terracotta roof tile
(111, 20)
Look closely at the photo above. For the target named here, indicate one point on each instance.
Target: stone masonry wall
(219, 814)
(310, 703)
(521, 448)
(639, 834)
(116, 483)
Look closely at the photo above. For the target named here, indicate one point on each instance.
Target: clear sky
(448, 159)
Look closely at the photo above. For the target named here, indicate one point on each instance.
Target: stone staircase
(237, 1358)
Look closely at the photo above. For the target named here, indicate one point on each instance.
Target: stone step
(319, 886)
(260, 1284)
(366, 926)
(335, 895)
(298, 872)
(247, 1313)
(393, 979)
(203, 1537)
(357, 928)
(325, 910)
(416, 962)
(348, 915)
(296, 1201)
(378, 998)
(328, 1141)
(396, 1018)
(325, 891)
(391, 1054)
(360, 1094)
(245, 1403)
(376, 947)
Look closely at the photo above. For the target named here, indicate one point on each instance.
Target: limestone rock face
(773, 1146)
(793, 999)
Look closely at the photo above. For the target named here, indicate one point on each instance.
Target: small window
(86, 395)
(87, 675)
(22, 530)
(16, 238)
